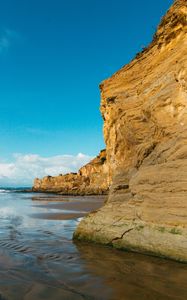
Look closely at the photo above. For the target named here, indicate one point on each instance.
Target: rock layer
(91, 179)
(144, 107)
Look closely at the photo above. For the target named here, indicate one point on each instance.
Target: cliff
(90, 179)
(144, 107)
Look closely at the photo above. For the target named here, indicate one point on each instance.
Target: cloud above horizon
(24, 168)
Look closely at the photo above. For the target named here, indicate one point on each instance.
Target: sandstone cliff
(90, 179)
(144, 107)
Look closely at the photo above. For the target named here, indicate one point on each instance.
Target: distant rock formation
(144, 107)
(91, 179)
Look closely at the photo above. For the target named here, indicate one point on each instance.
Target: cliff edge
(91, 179)
(144, 107)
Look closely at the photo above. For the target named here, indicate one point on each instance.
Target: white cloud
(6, 38)
(4, 44)
(24, 168)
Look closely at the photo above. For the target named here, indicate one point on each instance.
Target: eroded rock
(91, 179)
(144, 107)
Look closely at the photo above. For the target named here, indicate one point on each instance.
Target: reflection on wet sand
(135, 276)
(66, 208)
(58, 216)
(38, 259)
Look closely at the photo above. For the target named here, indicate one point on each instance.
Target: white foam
(4, 191)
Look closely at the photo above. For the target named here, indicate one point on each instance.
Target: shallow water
(38, 259)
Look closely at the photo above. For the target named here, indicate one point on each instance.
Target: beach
(39, 259)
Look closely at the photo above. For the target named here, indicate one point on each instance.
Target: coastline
(146, 148)
(144, 166)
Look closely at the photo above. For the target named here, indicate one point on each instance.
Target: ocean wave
(4, 191)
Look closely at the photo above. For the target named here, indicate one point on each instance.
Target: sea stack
(144, 108)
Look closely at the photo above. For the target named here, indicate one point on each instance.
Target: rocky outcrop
(144, 107)
(91, 179)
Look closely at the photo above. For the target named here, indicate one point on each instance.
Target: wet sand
(39, 260)
(69, 207)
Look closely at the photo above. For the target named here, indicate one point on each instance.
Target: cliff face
(90, 179)
(144, 107)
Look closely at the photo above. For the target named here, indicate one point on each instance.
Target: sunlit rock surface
(144, 107)
(91, 179)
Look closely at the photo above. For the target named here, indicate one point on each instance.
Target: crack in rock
(121, 237)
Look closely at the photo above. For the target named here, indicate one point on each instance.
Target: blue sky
(53, 55)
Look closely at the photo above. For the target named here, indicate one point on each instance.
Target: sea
(40, 260)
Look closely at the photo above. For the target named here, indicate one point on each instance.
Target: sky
(53, 56)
